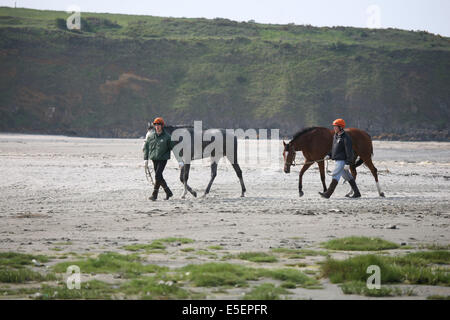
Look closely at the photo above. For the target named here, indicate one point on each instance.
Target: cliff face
(120, 71)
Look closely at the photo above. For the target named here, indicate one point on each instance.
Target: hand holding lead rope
(148, 174)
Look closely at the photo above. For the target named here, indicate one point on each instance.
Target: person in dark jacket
(157, 147)
(342, 153)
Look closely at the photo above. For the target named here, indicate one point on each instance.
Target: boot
(166, 189)
(356, 193)
(154, 195)
(168, 193)
(330, 189)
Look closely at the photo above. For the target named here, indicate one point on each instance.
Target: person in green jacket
(157, 148)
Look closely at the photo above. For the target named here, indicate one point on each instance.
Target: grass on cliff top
(144, 27)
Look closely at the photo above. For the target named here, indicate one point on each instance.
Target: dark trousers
(158, 166)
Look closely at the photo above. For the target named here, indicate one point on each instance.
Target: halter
(286, 149)
(293, 163)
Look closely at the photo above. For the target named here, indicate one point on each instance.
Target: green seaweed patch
(63, 243)
(111, 262)
(215, 247)
(206, 253)
(259, 257)
(437, 256)
(435, 246)
(155, 288)
(155, 245)
(296, 265)
(360, 244)
(172, 240)
(219, 274)
(266, 291)
(89, 290)
(158, 244)
(299, 253)
(360, 288)
(290, 275)
(405, 269)
(288, 285)
(19, 260)
(24, 275)
(296, 256)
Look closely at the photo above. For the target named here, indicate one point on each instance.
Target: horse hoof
(301, 193)
(382, 194)
(242, 195)
(194, 194)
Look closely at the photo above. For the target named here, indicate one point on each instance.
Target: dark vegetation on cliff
(119, 71)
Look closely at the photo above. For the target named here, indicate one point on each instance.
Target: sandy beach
(93, 193)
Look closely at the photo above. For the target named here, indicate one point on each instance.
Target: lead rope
(148, 175)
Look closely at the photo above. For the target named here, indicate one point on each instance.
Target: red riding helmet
(159, 120)
(339, 122)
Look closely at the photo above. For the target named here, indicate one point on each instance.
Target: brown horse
(316, 142)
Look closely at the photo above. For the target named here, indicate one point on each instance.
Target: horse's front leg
(300, 177)
(213, 176)
(322, 174)
(186, 176)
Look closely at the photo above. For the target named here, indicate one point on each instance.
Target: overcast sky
(429, 15)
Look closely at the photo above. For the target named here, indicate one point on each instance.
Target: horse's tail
(360, 161)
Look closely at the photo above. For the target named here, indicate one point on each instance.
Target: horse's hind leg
(374, 171)
(238, 170)
(184, 176)
(183, 180)
(213, 176)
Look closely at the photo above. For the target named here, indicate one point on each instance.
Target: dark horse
(213, 155)
(316, 142)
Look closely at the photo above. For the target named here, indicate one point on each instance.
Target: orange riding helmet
(159, 120)
(339, 122)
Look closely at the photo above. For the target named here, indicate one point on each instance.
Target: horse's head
(288, 156)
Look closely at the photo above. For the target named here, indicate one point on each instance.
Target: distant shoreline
(384, 137)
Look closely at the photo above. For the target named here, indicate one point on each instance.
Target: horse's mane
(302, 132)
